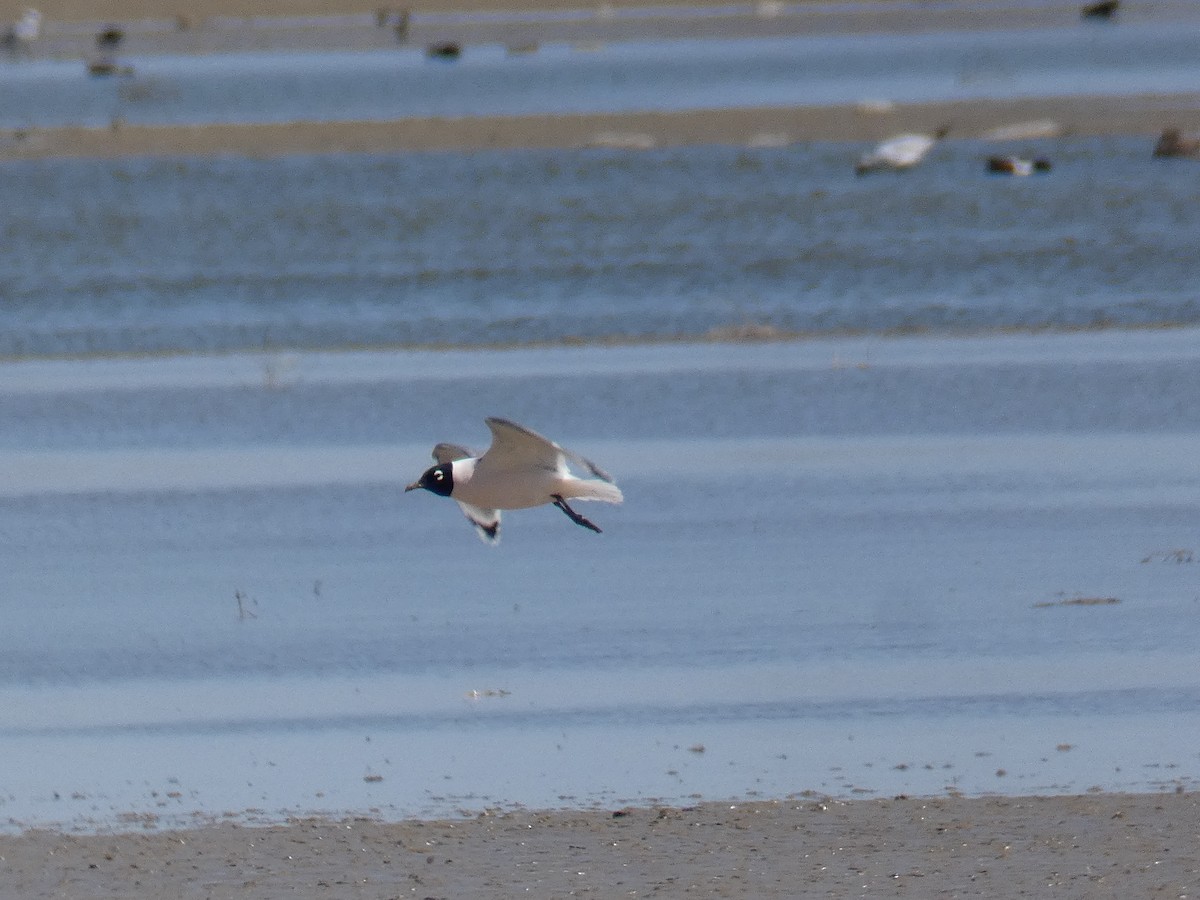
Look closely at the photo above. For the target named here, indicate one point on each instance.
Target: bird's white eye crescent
(438, 475)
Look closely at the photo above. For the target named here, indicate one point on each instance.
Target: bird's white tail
(593, 489)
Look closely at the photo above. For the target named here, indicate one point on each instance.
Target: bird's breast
(508, 490)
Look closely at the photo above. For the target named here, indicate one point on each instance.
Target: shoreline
(744, 335)
(756, 127)
(1117, 844)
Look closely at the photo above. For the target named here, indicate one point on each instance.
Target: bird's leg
(572, 515)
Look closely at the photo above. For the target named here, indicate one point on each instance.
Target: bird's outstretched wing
(486, 521)
(444, 453)
(517, 447)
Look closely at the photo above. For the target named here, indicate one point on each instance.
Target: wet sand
(1082, 116)
(1103, 845)
(201, 10)
(198, 11)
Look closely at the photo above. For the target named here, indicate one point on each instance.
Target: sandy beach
(1104, 845)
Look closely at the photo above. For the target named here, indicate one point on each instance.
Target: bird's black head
(438, 479)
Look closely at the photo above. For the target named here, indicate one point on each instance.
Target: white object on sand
(873, 106)
(623, 140)
(1024, 131)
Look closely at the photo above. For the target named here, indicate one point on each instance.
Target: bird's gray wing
(517, 447)
(486, 521)
(444, 453)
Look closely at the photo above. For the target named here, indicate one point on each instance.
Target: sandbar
(1077, 116)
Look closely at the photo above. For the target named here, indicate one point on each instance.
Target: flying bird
(520, 469)
(900, 152)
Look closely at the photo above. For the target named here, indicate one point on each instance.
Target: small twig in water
(1175, 556)
(243, 612)
(1078, 601)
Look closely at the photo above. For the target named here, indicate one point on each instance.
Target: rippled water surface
(871, 565)
(930, 545)
(486, 248)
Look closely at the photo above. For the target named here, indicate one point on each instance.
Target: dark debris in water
(1078, 601)
(1171, 556)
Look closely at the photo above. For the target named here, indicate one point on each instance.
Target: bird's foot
(574, 516)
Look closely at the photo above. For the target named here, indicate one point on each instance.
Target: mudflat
(1101, 845)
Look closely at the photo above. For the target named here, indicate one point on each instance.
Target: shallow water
(487, 248)
(1137, 58)
(874, 566)
(957, 560)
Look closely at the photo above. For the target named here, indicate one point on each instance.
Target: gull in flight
(520, 469)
